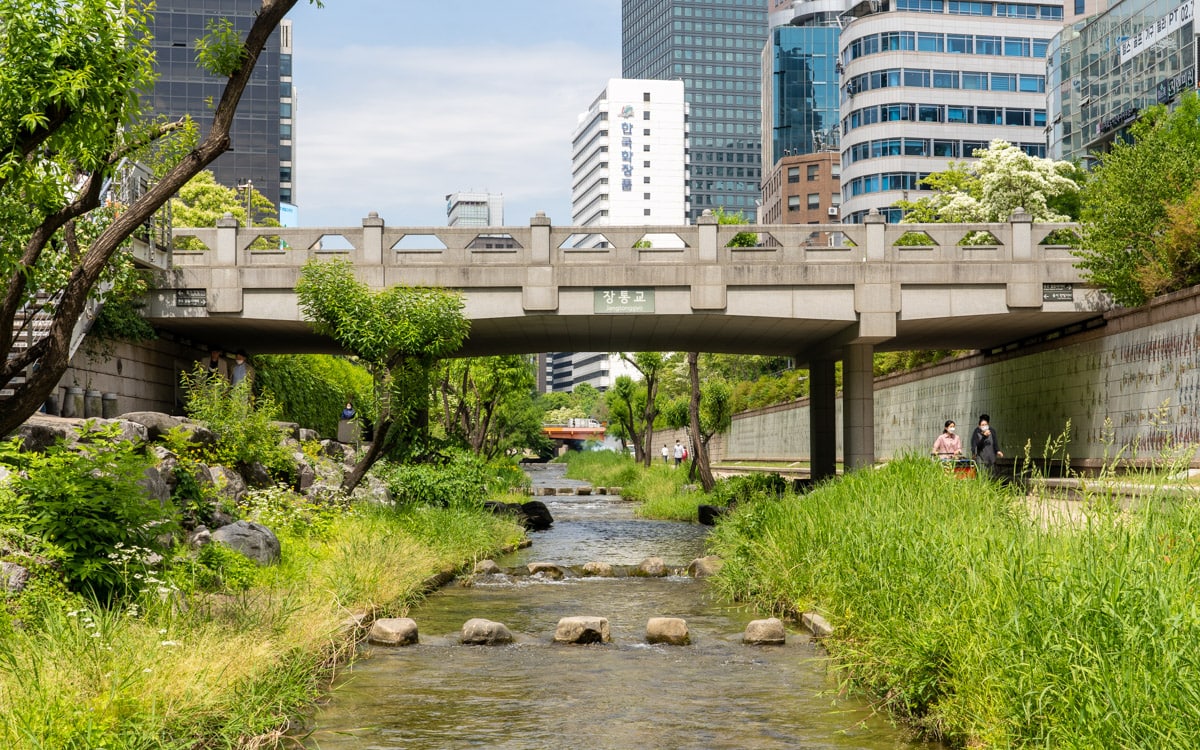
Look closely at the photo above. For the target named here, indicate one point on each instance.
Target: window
(646, 164)
(960, 8)
(963, 44)
(974, 81)
(945, 79)
(814, 171)
(285, 131)
(646, 180)
(931, 113)
(1039, 117)
(916, 77)
(916, 147)
(1004, 81)
(646, 147)
(1032, 84)
(920, 6)
(987, 115)
(929, 42)
(793, 203)
(987, 45)
(646, 96)
(1016, 47)
(646, 131)
(946, 149)
(646, 115)
(285, 109)
(285, 174)
(814, 200)
(1039, 47)
(645, 196)
(793, 174)
(285, 65)
(960, 114)
(1017, 117)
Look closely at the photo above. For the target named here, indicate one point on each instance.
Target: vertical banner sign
(626, 149)
(1156, 31)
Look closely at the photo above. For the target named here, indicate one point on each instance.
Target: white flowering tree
(1002, 179)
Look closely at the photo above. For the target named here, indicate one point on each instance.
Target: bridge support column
(822, 419)
(858, 406)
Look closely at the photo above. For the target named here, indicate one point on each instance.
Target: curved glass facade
(804, 89)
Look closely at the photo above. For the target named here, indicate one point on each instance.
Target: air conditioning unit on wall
(833, 210)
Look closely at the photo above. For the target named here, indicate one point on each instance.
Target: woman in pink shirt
(948, 445)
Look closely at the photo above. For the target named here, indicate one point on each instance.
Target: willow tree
(71, 114)
(399, 333)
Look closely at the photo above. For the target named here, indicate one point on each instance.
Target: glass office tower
(713, 46)
(261, 136)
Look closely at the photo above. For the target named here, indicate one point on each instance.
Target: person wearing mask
(348, 412)
(678, 453)
(666, 454)
(213, 366)
(985, 445)
(948, 445)
(240, 369)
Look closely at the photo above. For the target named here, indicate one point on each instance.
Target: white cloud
(395, 129)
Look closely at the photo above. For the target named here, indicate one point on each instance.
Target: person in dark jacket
(985, 446)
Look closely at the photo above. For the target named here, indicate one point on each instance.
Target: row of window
(722, 113)
(740, 84)
(705, 27)
(686, 11)
(963, 44)
(877, 183)
(710, 56)
(814, 201)
(950, 149)
(951, 113)
(945, 79)
(731, 128)
(813, 173)
(1000, 10)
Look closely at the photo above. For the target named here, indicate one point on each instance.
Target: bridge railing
(703, 243)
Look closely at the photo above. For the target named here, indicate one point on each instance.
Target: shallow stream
(714, 694)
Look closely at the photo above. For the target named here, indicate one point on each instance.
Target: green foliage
(769, 389)
(215, 568)
(602, 468)
(202, 201)
(244, 425)
(987, 618)
(887, 363)
(287, 512)
(487, 404)
(312, 389)
(87, 502)
(220, 50)
(462, 482)
(741, 239)
(744, 488)
(1139, 197)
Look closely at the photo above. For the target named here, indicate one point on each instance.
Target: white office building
(470, 209)
(629, 167)
(927, 82)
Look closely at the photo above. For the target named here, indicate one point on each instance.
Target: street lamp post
(248, 186)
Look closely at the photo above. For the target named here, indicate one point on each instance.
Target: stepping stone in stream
(599, 569)
(702, 567)
(393, 631)
(487, 568)
(548, 570)
(672, 631)
(651, 567)
(582, 630)
(768, 632)
(480, 632)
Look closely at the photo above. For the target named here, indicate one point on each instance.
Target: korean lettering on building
(627, 149)
(1156, 31)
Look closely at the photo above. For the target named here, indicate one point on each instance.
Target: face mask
(950, 429)
(983, 427)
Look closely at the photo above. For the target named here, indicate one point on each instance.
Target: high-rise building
(800, 110)
(475, 210)
(628, 167)
(1106, 69)
(261, 136)
(928, 82)
(713, 46)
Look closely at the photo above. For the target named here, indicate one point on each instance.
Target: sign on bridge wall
(616, 301)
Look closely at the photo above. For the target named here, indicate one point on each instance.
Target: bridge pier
(858, 406)
(822, 414)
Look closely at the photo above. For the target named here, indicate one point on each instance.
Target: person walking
(678, 453)
(948, 445)
(240, 369)
(985, 446)
(666, 454)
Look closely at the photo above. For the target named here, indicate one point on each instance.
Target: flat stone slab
(672, 631)
(393, 631)
(816, 624)
(768, 632)
(582, 630)
(480, 632)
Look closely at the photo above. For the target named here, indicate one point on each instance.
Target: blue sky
(401, 103)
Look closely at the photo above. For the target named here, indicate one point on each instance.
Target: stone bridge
(816, 292)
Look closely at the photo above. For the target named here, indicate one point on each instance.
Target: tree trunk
(53, 358)
(351, 480)
(699, 445)
(649, 415)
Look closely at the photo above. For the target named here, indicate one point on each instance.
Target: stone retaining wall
(144, 377)
(1136, 379)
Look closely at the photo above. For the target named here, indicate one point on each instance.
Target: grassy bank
(223, 670)
(973, 613)
(659, 490)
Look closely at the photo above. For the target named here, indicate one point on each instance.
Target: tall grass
(983, 620)
(224, 670)
(602, 468)
(660, 489)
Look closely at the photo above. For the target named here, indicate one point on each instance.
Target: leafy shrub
(286, 512)
(743, 488)
(215, 568)
(244, 425)
(311, 389)
(462, 482)
(87, 501)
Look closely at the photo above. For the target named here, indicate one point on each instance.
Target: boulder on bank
(253, 540)
(155, 485)
(487, 568)
(199, 435)
(256, 475)
(768, 632)
(703, 567)
(39, 432)
(306, 435)
(708, 514)
(480, 632)
(546, 570)
(229, 483)
(13, 577)
(651, 567)
(156, 423)
(393, 631)
(582, 630)
(672, 631)
(533, 515)
(598, 569)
